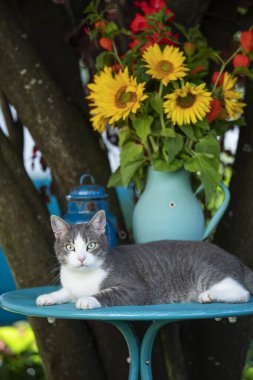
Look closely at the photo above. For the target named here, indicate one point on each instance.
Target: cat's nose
(81, 259)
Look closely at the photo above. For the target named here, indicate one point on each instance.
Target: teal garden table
(23, 302)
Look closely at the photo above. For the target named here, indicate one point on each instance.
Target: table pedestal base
(140, 354)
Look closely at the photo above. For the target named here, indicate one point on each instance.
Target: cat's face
(81, 246)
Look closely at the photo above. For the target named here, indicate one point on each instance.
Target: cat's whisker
(55, 280)
(54, 270)
(54, 265)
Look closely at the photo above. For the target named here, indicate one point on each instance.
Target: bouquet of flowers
(160, 96)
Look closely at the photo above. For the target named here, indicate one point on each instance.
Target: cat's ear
(98, 222)
(59, 226)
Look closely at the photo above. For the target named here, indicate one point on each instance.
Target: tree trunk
(70, 150)
(221, 348)
(57, 126)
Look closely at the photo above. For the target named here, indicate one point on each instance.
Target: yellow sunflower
(166, 65)
(98, 121)
(233, 106)
(114, 97)
(188, 104)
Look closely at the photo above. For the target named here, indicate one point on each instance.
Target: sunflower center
(164, 66)
(186, 101)
(123, 97)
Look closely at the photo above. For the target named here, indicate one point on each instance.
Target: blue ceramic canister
(83, 203)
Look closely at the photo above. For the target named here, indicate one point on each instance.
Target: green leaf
(126, 135)
(205, 53)
(181, 29)
(188, 131)
(173, 146)
(126, 32)
(115, 179)
(131, 158)
(128, 170)
(131, 152)
(175, 84)
(157, 16)
(156, 128)
(156, 103)
(209, 172)
(203, 124)
(93, 34)
(111, 29)
(240, 122)
(168, 132)
(92, 6)
(142, 125)
(243, 70)
(161, 165)
(103, 59)
(209, 145)
(139, 179)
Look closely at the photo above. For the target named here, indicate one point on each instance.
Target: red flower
(147, 10)
(241, 60)
(105, 43)
(139, 23)
(215, 76)
(198, 69)
(116, 68)
(247, 40)
(165, 38)
(153, 7)
(215, 110)
(134, 43)
(157, 4)
(86, 30)
(99, 25)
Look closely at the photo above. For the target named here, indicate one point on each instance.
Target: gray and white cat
(93, 276)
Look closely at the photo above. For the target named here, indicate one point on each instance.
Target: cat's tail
(248, 279)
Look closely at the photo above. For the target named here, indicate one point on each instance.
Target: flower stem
(152, 143)
(224, 66)
(160, 94)
(116, 54)
(160, 90)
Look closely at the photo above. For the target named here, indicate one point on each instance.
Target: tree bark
(70, 147)
(15, 128)
(221, 348)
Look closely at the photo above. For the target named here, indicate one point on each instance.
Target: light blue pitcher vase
(169, 210)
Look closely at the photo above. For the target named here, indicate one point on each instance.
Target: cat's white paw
(205, 297)
(87, 303)
(232, 319)
(46, 300)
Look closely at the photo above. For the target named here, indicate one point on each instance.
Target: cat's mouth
(83, 266)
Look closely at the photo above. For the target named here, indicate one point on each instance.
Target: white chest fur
(82, 284)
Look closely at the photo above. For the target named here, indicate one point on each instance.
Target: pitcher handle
(219, 213)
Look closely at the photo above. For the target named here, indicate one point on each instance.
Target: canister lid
(88, 191)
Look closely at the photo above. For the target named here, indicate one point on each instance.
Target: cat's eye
(69, 247)
(91, 245)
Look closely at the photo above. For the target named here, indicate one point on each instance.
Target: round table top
(23, 302)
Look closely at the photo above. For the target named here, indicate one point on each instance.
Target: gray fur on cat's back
(166, 271)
